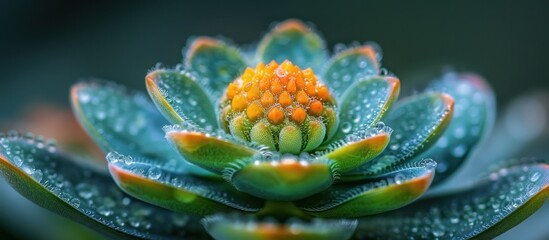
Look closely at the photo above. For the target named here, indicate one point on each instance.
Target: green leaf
(176, 191)
(365, 104)
(474, 114)
(125, 122)
(357, 149)
(417, 123)
(397, 188)
(494, 205)
(281, 178)
(180, 98)
(214, 153)
(52, 180)
(247, 228)
(350, 66)
(293, 40)
(215, 63)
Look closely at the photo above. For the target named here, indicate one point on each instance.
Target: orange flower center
(278, 92)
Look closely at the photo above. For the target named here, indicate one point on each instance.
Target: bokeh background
(46, 46)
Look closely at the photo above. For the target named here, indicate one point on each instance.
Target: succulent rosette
(283, 142)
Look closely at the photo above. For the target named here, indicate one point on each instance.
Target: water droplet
(380, 125)
(37, 175)
(75, 202)
(346, 127)
(280, 72)
(192, 102)
(363, 64)
(428, 163)
(84, 97)
(105, 211)
(28, 169)
(399, 178)
(459, 132)
(17, 161)
(438, 230)
(534, 176)
(154, 173)
(459, 151)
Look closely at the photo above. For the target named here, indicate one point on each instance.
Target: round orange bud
(276, 115)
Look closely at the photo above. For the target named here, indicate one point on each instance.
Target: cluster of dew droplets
(366, 103)
(354, 67)
(201, 187)
(464, 215)
(108, 110)
(94, 195)
(469, 118)
(412, 127)
(182, 96)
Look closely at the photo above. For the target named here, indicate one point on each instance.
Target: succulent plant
(279, 143)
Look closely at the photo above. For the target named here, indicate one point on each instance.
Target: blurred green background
(46, 46)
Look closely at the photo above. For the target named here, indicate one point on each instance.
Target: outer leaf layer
(473, 116)
(53, 181)
(178, 192)
(489, 208)
(417, 123)
(125, 122)
(386, 192)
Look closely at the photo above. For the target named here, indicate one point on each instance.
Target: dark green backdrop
(45, 46)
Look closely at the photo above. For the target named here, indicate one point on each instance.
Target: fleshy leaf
(125, 122)
(494, 205)
(247, 227)
(351, 66)
(176, 191)
(417, 123)
(365, 104)
(214, 62)
(180, 98)
(474, 113)
(282, 178)
(389, 191)
(293, 40)
(357, 148)
(55, 182)
(214, 153)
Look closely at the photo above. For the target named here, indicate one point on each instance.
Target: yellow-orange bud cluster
(278, 92)
(279, 106)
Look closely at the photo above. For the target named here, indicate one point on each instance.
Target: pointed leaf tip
(180, 98)
(214, 62)
(293, 40)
